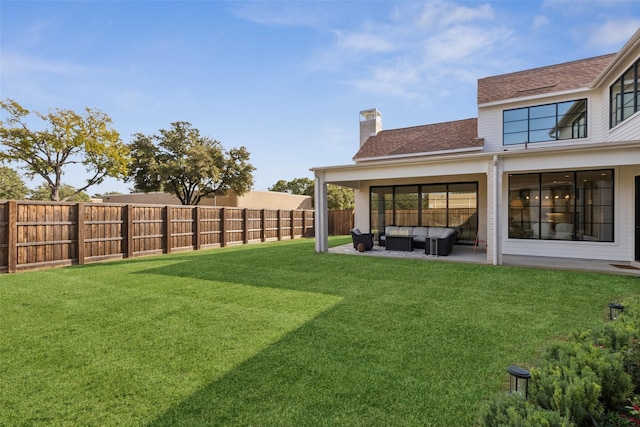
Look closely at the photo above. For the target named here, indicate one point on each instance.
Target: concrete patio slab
(466, 254)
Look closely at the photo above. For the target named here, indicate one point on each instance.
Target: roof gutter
(421, 155)
(515, 151)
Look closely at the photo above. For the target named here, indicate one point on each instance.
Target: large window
(562, 206)
(452, 205)
(624, 98)
(549, 122)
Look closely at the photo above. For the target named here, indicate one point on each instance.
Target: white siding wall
(628, 130)
(490, 121)
(490, 127)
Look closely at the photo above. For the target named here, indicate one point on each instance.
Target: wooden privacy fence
(340, 222)
(47, 234)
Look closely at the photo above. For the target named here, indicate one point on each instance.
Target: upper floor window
(549, 122)
(624, 99)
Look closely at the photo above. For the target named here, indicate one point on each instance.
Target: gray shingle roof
(538, 81)
(456, 135)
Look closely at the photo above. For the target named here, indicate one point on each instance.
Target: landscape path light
(614, 310)
(518, 380)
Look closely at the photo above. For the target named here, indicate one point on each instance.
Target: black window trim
(636, 69)
(575, 214)
(529, 107)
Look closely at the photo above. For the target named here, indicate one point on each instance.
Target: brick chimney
(370, 124)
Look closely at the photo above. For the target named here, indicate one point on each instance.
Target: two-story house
(551, 166)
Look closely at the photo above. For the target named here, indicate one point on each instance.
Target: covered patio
(467, 254)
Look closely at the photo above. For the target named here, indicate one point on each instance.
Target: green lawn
(274, 334)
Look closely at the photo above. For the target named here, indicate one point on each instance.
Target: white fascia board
(444, 165)
(421, 155)
(604, 154)
(599, 146)
(538, 97)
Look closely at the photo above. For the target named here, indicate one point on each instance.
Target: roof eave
(534, 97)
(485, 154)
(620, 57)
(417, 155)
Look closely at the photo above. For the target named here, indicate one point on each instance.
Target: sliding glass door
(452, 205)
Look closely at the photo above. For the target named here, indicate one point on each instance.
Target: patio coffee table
(399, 243)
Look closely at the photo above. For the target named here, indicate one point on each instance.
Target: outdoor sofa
(421, 237)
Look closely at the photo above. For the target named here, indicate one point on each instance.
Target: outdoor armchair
(359, 237)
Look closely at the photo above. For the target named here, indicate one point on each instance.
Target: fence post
(80, 232)
(223, 227)
(12, 234)
(245, 225)
(128, 230)
(279, 224)
(293, 224)
(304, 223)
(167, 229)
(263, 225)
(197, 242)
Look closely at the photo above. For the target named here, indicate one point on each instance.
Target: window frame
(617, 94)
(391, 212)
(561, 197)
(530, 118)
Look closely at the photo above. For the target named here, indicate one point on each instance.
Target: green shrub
(612, 335)
(607, 365)
(632, 309)
(514, 411)
(614, 419)
(632, 363)
(573, 394)
(586, 380)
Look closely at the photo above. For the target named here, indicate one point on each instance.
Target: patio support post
(321, 219)
(497, 191)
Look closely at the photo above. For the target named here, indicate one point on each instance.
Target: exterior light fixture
(518, 380)
(614, 310)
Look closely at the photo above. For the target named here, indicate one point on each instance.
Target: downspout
(496, 192)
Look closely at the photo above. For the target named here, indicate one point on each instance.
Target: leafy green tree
(338, 198)
(11, 185)
(68, 139)
(302, 186)
(106, 193)
(182, 162)
(67, 193)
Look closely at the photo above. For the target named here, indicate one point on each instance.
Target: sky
(285, 79)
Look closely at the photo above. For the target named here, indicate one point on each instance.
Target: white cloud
(16, 64)
(442, 14)
(363, 42)
(613, 33)
(396, 56)
(280, 13)
(463, 42)
(397, 81)
(539, 22)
